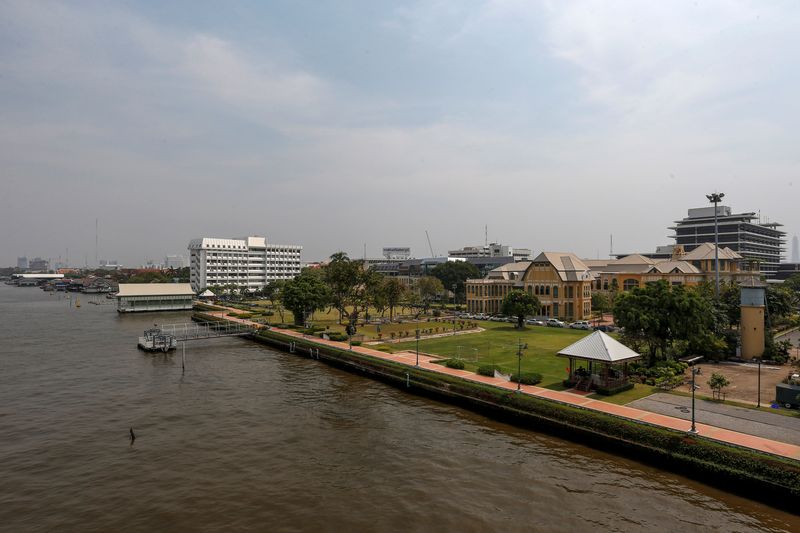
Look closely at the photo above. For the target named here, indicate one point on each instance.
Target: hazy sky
(333, 124)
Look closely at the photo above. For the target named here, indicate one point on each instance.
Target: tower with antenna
(96, 240)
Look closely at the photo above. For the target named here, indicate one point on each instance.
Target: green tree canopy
(520, 304)
(429, 288)
(659, 314)
(342, 276)
(305, 294)
(455, 272)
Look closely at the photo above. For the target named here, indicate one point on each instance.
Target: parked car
(534, 322)
(581, 324)
(555, 323)
(606, 328)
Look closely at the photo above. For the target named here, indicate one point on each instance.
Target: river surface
(254, 439)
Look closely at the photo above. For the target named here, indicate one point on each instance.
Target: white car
(534, 322)
(555, 323)
(581, 324)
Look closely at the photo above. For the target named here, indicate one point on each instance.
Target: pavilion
(598, 361)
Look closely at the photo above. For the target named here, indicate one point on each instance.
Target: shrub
(526, 378)
(382, 348)
(267, 313)
(336, 336)
(487, 370)
(458, 364)
(356, 343)
(614, 390)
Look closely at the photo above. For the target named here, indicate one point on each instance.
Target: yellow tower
(752, 325)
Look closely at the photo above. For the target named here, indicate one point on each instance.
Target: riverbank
(766, 476)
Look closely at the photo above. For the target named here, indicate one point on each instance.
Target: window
(555, 295)
(547, 290)
(629, 284)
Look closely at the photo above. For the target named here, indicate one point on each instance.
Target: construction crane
(429, 243)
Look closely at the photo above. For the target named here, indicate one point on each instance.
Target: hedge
(527, 378)
(458, 364)
(488, 370)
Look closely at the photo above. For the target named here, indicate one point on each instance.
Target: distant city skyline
(334, 125)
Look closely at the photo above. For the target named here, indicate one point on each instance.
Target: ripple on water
(252, 439)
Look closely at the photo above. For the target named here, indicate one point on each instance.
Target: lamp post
(519, 365)
(417, 363)
(715, 199)
(695, 372)
(758, 404)
(454, 307)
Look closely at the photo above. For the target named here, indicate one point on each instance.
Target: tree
(272, 292)
(717, 382)
(781, 302)
(305, 294)
(658, 314)
(455, 273)
(393, 292)
(519, 304)
(429, 288)
(341, 275)
(601, 302)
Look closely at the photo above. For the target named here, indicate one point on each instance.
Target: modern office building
(248, 263)
(744, 233)
(493, 250)
(22, 263)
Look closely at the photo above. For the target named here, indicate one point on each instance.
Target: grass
(498, 345)
(638, 392)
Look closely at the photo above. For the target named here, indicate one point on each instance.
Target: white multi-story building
(493, 250)
(249, 262)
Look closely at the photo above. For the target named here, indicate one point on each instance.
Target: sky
(336, 125)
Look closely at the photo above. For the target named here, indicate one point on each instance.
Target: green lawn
(499, 345)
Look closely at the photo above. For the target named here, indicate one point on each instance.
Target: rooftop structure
(397, 253)
(743, 233)
(598, 361)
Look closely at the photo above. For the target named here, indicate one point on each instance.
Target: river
(249, 438)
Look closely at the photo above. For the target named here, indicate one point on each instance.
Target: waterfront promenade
(566, 397)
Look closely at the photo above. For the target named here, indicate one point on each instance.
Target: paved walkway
(721, 434)
(768, 425)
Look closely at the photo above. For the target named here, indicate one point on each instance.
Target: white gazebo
(598, 360)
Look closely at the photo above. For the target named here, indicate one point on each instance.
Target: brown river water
(251, 439)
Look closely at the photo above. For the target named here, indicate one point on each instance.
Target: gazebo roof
(599, 347)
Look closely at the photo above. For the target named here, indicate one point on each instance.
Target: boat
(155, 340)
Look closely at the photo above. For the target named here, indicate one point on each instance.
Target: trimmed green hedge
(614, 390)
(527, 378)
(458, 364)
(487, 370)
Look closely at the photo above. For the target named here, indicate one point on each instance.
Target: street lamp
(759, 383)
(695, 372)
(417, 364)
(454, 307)
(715, 199)
(519, 366)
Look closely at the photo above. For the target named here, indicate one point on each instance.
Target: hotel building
(248, 263)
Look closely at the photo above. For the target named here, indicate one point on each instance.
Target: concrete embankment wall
(771, 479)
